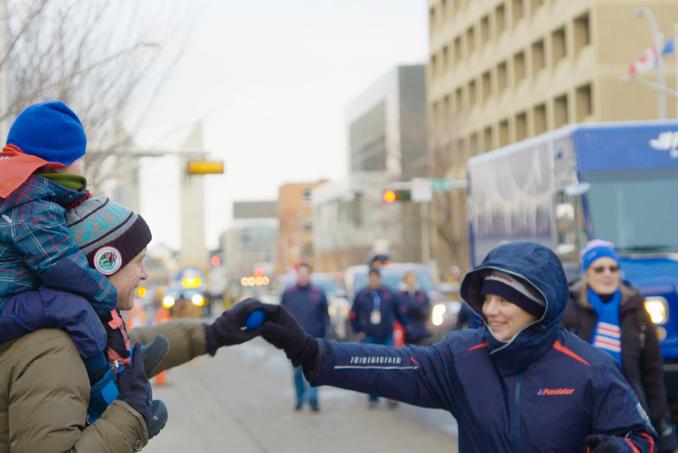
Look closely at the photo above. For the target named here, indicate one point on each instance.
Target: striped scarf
(607, 332)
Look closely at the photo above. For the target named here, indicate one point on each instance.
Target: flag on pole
(646, 62)
(669, 47)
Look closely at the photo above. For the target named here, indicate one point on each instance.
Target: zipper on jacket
(516, 415)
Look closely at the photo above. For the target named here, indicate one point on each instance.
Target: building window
(443, 11)
(535, 4)
(457, 50)
(519, 67)
(447, 114)
(560, 112)
(487, 139)
(500, 19)
(432, 20)
(306, 194)
(487, 85)
(434, 65)
(484, 30)
(540, 119)
(470, 41)
(582, 33)
(443, 60)
(538, 57)
(558, 45)
(474, 147)
(501, 77)
(518, 10)
(503, 133)
(472, 94)
(459, 100)
(584, 101)
(521, 126)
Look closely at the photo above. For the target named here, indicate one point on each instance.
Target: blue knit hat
(595, 249)
(51, 131)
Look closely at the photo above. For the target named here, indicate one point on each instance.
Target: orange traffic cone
(161, 315)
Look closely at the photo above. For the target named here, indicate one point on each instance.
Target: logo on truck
(667, 141)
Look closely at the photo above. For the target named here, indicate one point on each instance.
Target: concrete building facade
(295, 220)
(501, 71)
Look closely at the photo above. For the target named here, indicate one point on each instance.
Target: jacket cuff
(322, 367)
(129, 423)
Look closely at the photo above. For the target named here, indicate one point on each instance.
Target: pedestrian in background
(308, 304)
(375, 309)
(610, 315)
(417, 306)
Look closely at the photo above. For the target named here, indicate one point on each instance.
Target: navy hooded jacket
(545, 390)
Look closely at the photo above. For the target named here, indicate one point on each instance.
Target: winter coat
(546, 390)
(36, 248)
(389, 308)
(417, 308)
(641, 357)
(45, 393)
(308, 305)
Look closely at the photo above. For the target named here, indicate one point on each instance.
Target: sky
(270, 81)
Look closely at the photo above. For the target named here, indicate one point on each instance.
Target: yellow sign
(194, 282)
(141, 292)
(205, 167)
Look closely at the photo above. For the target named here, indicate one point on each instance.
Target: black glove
(284, 332)
(601, 443)
(134, 387)
(228, 330)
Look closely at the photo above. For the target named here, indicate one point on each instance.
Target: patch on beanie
(107, 260)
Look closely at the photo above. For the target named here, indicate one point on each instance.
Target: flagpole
(658, 41)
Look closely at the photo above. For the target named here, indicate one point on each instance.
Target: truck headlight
(198, 300)
(658, 309)
(438, 314)
(168, 302)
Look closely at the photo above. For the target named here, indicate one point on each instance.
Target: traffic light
(391, 196)
(215, 260)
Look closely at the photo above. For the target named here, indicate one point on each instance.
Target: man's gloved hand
(602, 443)
(284, 332)
(228, 330)
(134, 387)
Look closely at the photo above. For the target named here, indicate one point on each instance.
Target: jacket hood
(539, 267)
(39, 188)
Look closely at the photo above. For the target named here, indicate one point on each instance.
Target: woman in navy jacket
(520, 383)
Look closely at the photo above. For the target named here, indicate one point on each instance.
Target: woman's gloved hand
(284, 332)
(228, 330)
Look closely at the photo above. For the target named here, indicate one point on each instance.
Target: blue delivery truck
(616, 181)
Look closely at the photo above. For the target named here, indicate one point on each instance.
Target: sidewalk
(241, 401)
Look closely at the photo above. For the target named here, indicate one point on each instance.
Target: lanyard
(376, 300)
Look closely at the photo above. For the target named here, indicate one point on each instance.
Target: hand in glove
(228, 330)
(602, 443)
(134, 387)
(284, 332)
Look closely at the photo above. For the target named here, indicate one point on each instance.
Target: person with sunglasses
(608, 313)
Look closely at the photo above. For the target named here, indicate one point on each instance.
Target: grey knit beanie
(110, 234)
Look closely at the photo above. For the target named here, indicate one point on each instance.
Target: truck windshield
(635, 209)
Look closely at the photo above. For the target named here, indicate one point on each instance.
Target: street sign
(205, 167)
(421, 190)
(447, 185)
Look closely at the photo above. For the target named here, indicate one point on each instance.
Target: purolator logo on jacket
(561, 391)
